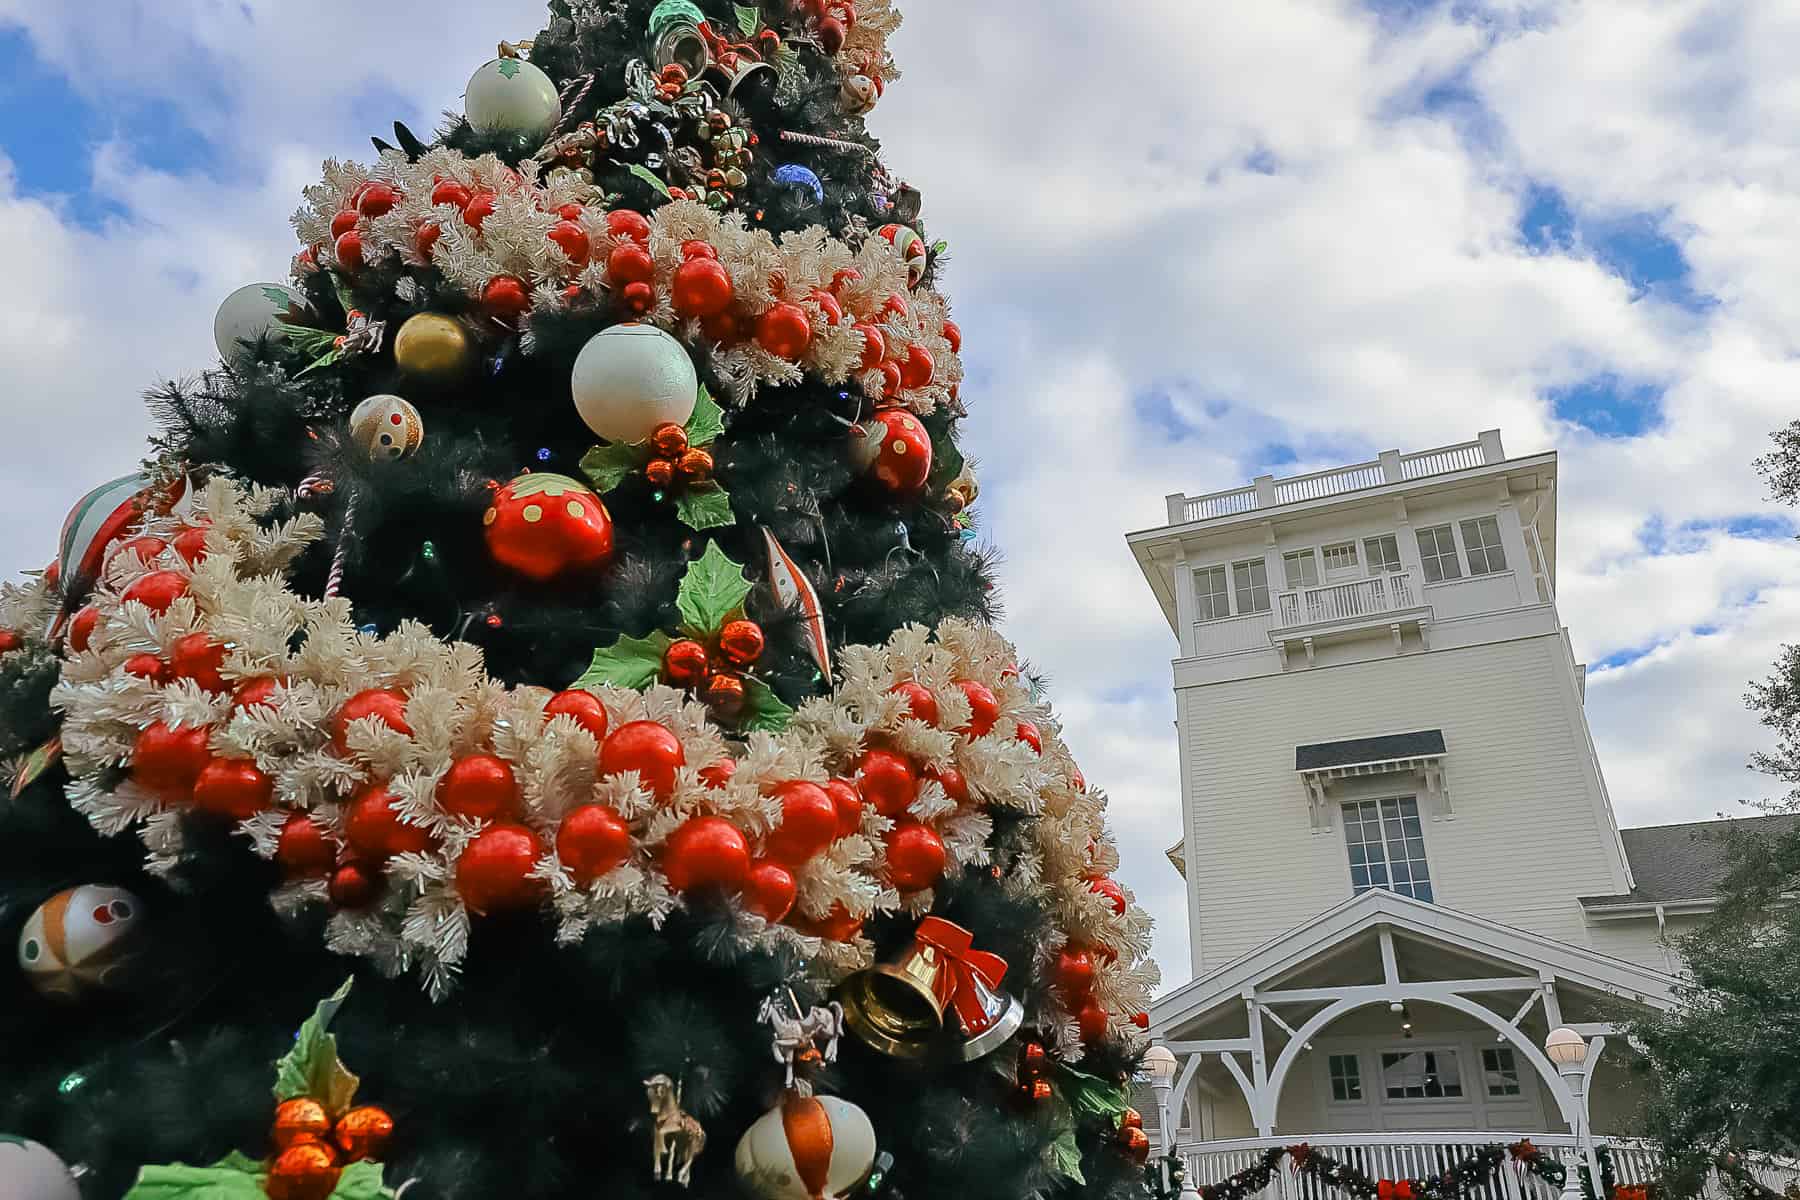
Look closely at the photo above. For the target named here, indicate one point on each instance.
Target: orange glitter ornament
(297, 1119)
(364, 1132)
(304, 1171)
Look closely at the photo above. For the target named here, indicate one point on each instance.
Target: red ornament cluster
(673, 463)
(311, 1149)
(714, 670)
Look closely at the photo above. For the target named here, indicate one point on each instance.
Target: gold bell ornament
(898, 1008)
(433, 348)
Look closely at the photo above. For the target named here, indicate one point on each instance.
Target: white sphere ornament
(81, 939)
(806, 1148)
(631, 378)
(386, 428)
(29, 1171)
(509, 95)
(251, 312)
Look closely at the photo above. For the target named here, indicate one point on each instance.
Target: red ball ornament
(147, 666)
(650, 749)
(702, 288)
(255, 692)
(198, 657)
(887, 780)
(374, 829)
(301, 1119)
(506, 298)
(741, 642)
(698, 249)
(725, 694)
(591, 841)
(482, 786)
(685, 664)
(784, 331)
(915, 856)
(1028, 733)
(363, 1132)
(144, 549)
(302, 849)
(572, 239)
(307, 1170)
(425, 237)
(631, 263)
(849, 805)
(829, 306)
(1141, 1020)
(234, 788)
(918, 369)
(1134, 1141)
(722, 328)
(1114, 894)
(920, 703)
(668, 440)
(570, 211)
(707, 852)
(353, 885)
(952, 781)
(344, 222)
(984, 708)
(809, 823)
(450, 192)
(639, 298)
(769, 890)
(349, 250)
(167, 760)
(953, 335)
(479, 208)
(157, 590)
(190, 543)
(544, 526)
(720, 773)
(1092, 1020)
(890, 380)
(388, 707)
(831, 34)
(584, 707)
(81, 629)
(894, 449)
(378, 199)
(494, 872)
(622, 222)
(835, 926)
(1074, 974)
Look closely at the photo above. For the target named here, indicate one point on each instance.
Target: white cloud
(1251, 218)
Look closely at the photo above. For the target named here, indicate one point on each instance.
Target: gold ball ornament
(81, 939)
(433, 348)
(386, 428)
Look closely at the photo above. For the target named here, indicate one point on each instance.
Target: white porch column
(1185, 605)
(1259, 1070)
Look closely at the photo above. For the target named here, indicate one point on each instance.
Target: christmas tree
(559, 614)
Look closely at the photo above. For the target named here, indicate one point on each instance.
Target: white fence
(1391, 467)
(1344, 601)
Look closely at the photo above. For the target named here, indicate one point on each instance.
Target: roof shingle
(1684, 862)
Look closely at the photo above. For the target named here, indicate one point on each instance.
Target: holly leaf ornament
(360, 1181)
(763, 709)
(1092, 1096)
(705, 505)
(322, 344)
(312, 1068)
(711, 592)
(1065, 1156)
(650, 177)
(630, 662)
(235, 1178)
(607, 466)
(707, 422)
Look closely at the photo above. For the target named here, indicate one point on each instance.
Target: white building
(1403, 868)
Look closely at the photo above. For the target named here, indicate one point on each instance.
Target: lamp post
(1160, 1065)
(1569, 1051)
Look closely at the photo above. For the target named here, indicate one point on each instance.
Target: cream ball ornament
(251, 312)
(510, 95)
(631, 378)
(29, 1171)
(805, 1148)
(386, 428)
(81, 939)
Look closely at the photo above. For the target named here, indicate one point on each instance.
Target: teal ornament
(795, 175)
(672, 12)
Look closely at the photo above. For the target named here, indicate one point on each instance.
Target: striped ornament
(808, 1148)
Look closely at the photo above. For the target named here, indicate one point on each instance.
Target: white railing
(1346, 601)
(1391, 467)
(1233, 634)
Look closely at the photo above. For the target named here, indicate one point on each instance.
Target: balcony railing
(1347, 601)
(1391, 467)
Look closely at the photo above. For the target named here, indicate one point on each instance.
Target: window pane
(1385, 844)
(1437, 554)
(1211, 598)
(1251, 581)
(1346, 1077)
(1302, 569)
(1421, 1075)
(1482, 539)
(1340, 557)
(1383, 553)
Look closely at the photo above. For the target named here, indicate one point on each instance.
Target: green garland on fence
(1454, 1183)
(1609, 1178)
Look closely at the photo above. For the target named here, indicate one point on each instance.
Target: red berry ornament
(953, 335)
(831, 34)
(920, 703)
(1074, 973)
(544, 526)
(198, 657)
(147, 666)
(307, 1170)
(915, 856)
(572, 240)
(835, 926)
(725, 694)
(478, 209)
(849, 805)
(448, 191)
(890, 379)
(951, 780)
(894, 449)
(354, 885)
(157, 590)
(829, 306)
(630, 263)
(344, 222)
(494, 872)
(622, 222)
(918, 369)
(234, 788)
(1028, 733)
(696, 248)
(303, 850)
(887, 781)
(741, 642)
(570, 212)
(592, 840)
(584, 707)
(1114, 894)
(144, 549)
(386, 706)
(650, 749)
(769, 890)
(375, 831)
(81, 629)
(506, 298)
(720, 773)
(167, 760)
(1092, 1020)
(481, 786)
(1141, 1020)
(685, 664)
(349, 250)
(784, 331)
(707, 852)
(190, 543)
(378, 199)
(809, 823)
(425, 237)
(255, 692)
(984, 708)
(702, 288)
(874, 346)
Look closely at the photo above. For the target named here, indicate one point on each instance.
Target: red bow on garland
(963, 965)
(1391, 1189)
(1299, 1154)
(1523, 1150)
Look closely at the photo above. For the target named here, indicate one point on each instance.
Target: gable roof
(1353, 752)
(1684, 862)
(1378, 906)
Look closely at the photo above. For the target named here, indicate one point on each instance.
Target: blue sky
(1200, 250)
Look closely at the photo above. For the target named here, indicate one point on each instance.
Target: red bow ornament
(1385, 1189)
(1299, 1154)
(967, 977)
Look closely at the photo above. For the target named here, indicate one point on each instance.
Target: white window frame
(1356, 1078)
(1500, 1075)
(1437, 555)
(1344, 571)
(1385, 566)
(1203, 596)
(1308, 562)
(1387, 863)
(1251, 567)
(1487, 551)
(1455, 1054)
